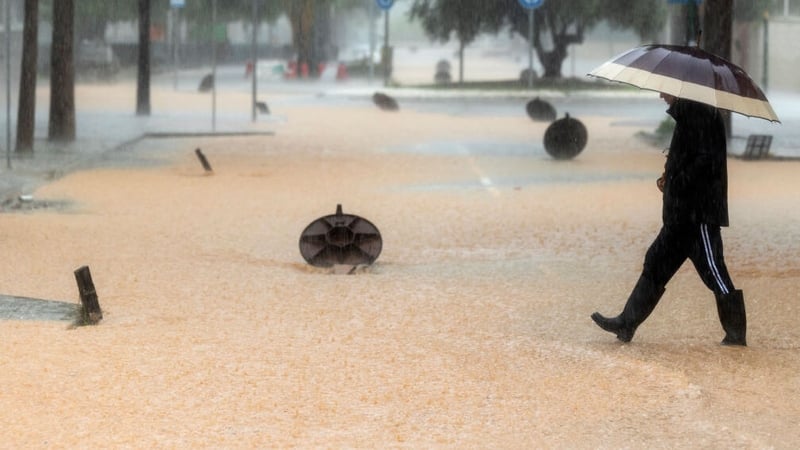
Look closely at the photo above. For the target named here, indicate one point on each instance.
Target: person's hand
(660, 182)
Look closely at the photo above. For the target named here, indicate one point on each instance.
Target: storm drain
(340, 239)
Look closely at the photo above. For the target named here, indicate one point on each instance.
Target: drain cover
(340, 239)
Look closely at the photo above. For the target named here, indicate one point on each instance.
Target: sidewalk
(102, 133)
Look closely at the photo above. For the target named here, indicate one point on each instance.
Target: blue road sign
(531, 4)
(177, 3)
(384, 4)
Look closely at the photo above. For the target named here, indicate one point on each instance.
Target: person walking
(695, 206)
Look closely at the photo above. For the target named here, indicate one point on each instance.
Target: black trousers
(701, 243)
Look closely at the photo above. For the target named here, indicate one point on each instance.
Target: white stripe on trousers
(710, 258)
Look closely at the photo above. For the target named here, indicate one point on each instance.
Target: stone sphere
(540, 110)
(565, 138)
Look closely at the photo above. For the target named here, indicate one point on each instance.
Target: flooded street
(471, 330)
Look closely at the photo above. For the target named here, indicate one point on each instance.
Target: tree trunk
(62, 73)
(460, 62)
(323, 36)
(718, 27)
(143, 66)
(301, 16)
(552, 60)
(26, 112)
(717, 35)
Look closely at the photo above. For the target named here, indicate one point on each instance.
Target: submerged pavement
(104, 133)
(473, 326)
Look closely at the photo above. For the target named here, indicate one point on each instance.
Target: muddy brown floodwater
(471, 330)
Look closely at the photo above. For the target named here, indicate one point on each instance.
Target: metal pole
(8, 83)
(530, 48)
(213, 65)
(371, 41)
(254, 73)
(386, 49)
(176, 35)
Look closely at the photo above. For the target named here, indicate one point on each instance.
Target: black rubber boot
(733, 318)
(642, 301)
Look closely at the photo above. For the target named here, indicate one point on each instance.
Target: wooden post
(143, 61)
(91, 306)
(203, 160)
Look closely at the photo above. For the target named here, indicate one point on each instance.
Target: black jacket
(696, 174)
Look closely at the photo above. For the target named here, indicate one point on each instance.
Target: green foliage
(109, 10)
(646, 18)
(564, 22)
(466, 18)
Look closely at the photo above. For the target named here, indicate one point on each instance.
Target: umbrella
(691, 73)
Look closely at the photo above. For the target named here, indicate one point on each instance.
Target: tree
(466, 18)
(143, 66)
(717, 35)
(310, 21)
(26, 109)
(718, 27)
(560, 24)
(62, 73)
(301, 16)
(92, 16)
(311, 31)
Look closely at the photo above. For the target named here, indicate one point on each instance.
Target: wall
(784, 54)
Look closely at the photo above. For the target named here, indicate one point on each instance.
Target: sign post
(386, 57)
(385, 4)
(530, 5)
(213, 66)
(254, 50)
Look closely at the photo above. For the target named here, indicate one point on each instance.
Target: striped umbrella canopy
(691, 73)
